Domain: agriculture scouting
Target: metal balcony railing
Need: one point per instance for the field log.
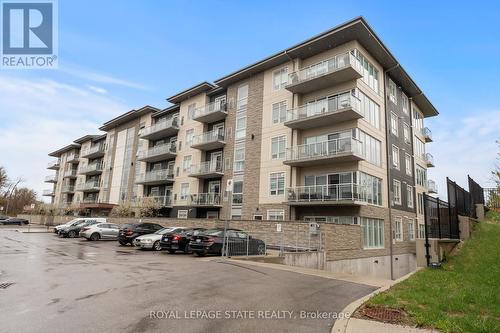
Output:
(51, 179)
(427, 134)
(324, 149)
(213, 107)
(166, 148)
(70, 173)
(161, 200)
(160, 126)
(90, 200)
(428, 158)
(72, 157)
(208, 137)
(324, 67)
(207, 167)
(204, 199)
(156, 176)
(90, 185)
(333, 104)
(431, 186)
(54, 164)
(48, 192)
(92, 167)
(92, 150)
(334, 192)
(68, 189)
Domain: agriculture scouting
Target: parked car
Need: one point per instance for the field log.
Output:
(3, 217)
(239, 243)
(100, 231)
(74, 230)
(14, 221)
(129, 232)
(179, 240)
(152, 241)
(77, 221)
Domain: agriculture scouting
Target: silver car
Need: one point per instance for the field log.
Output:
(151, 241)
(100, 231)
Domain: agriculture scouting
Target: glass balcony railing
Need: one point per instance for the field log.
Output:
(429, 159)
(204, 199)
(171, 123)
(427, 134)
(90, 200)
(94, 150)
(48, 192)
(89, 185)
(431, 186)
(68, 189)
(330, 148)
(161, 200)
(51, 179)
(330, 105)
(335, 192)
(324, 67)
(91, 168)
(210, 109)
(72, 157)
(158, 151)
(70, 173)
(54, 164)
(207, 167)
(161, 175)
(208, 137)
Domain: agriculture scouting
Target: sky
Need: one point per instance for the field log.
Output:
(115, 56)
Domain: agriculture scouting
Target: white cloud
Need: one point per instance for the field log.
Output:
(40, 116)
(464, 146)
(97, 89)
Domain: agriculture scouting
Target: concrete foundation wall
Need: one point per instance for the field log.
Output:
(314, 260)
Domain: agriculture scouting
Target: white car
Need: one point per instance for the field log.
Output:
(98, 231)
(76, 221)
(151, 241)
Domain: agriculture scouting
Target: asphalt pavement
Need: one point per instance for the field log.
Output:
(73, 285)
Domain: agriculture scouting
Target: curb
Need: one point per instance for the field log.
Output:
(342, 324)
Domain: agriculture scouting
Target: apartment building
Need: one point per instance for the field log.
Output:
(330, 130)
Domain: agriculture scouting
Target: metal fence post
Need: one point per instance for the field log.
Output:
(248, 242)
(439, 218)
(427, 245)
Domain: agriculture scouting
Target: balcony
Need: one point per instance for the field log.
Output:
(161, 129)
(325, 112)
(204, 200)
(431, 186)
(73, 158)
(48, 193)
(68, 189)
(341, 68)
(209, 140)
(93, 152)
(336, 150)
(91, 169)
(89, 186)
(161, 152)
(338, 194)
(70, 173)
(211, 112)
(90, 200)
(206, 170)
(429, 160)
(51, 179)
(54, 165)
(163, 201)
(156, 177)
(427, 134)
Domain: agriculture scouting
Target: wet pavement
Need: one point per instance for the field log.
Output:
(63, 285)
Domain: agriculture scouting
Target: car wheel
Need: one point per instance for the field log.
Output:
(157, 246)
(261, 249)
(171, 251)
(122, 243)
(95, 236)
(187, 248)
(72, 234)
(200, 254)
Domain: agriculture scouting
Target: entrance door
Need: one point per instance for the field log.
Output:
(170, 167)
(219, 102)
(214, 186)
(218, 130)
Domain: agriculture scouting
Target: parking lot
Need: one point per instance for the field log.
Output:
(63, 285)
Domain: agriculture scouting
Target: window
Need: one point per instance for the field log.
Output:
(242, 97)
(184, 191)
(277, 183)
(398, 229)
(258, 217)
(239, 158)
(408, 164)
(393, 92)
(279, 112)
(191, 108)
(236, 213)
(421, 176)
(421, 230)
(406, 133)
(409, 196)
(373, 233)
(418, 120)
(395, 157)
(354, 220)
(241, 127)
(182, 214)
(238, 192)
(276, 214)
(189, 137)
(370, 73)
(411, 229)
(278, 146)
(370, 147)
(404, 102)
(419, 148)
(420, 207)
(394, 124)
(396, 189)
(280, 78)
(186, 164)
(369, 109)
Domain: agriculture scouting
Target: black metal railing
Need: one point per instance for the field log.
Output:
(438, 220)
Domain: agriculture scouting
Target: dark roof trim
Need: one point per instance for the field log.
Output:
(355, 29)
(69, 147)
(126, 117)
(193, 91)
(92, 138)
(167, 110)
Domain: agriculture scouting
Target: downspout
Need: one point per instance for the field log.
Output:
(291, 138)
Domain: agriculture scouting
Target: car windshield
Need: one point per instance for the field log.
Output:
(212, 232)
(128, 226)
(164, 231)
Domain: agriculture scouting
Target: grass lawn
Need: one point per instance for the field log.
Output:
(463, 296)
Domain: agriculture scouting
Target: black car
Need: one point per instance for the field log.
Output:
(129, 232)
(238, 243)
(179, 239)
(74, 230)
(14, 221)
